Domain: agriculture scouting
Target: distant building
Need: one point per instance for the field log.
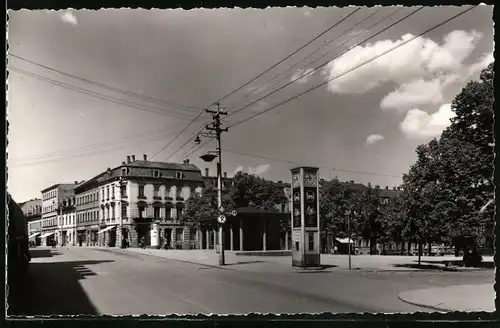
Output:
(140, 193)
(87, 212)
(32, 209)
(51, 198)
(67, 222)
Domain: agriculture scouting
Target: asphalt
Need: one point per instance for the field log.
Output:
(115, 282)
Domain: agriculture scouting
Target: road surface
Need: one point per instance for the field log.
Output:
(72, 281)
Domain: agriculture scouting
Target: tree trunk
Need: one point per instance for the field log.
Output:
(457, 251)
(409, 248)
(402, 248)
(430, 249)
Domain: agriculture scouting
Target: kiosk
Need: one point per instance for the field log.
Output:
(305, 217)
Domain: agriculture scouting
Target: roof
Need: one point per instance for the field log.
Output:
(344, 240)
(84, 183)
(58, 185)
(164, 165)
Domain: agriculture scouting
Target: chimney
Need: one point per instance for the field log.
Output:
(145, 157)
(225, 174)
(393, 188)
(123, 163)
(352, 181)
(377, 187)
(76, 182)
(386, 187)
(279, 181)
(369, 184)
(128, 159)
(186, 161)
(206, 172)
(133, 158)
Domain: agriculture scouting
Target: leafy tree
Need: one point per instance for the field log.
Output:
(370, 217)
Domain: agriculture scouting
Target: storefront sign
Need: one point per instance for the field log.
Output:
(311, 206)
(296, 207)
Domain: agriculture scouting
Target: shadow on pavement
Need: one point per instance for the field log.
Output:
(460, 263)
(420, 266)
(53, 289)
(41, 252)
(244, 262)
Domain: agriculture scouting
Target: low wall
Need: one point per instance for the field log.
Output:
(262, 253)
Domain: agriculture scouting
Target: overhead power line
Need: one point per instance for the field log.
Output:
(350, 70)
(160, 131)
(293, 81)
(322, 46)
(247, 83)
(325, 63)
(98, 95)
(320, 166)
(339, 45)
(102, 85)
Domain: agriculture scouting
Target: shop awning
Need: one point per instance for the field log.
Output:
(344, 240)
(106, 229)
(47, 235)
(34, 235)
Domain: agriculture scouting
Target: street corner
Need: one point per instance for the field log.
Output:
(463, 298)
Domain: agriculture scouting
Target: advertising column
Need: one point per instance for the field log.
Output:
(305, 217)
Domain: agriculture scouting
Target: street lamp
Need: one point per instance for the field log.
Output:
(348, 214)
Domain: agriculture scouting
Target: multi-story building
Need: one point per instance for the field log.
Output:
(87, 212)
(51, 198)
(67, 222)
(32, 209)
(140, 193)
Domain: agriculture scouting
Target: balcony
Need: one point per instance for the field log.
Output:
(179, 198)
(168, 198)
(157, 197)
(141, 197)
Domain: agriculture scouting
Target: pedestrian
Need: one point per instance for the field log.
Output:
(335, 249)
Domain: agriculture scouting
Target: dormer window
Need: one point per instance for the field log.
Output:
(156, 173)
(125, 171)
(178, 175)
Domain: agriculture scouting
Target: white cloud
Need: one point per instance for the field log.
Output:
(307, 12)
(69, 17)
(373, 138)
(476, 68)
(238, 169)
(259, 169)
(306, 75)
(419, 124)
(414, 93)
(421, 58)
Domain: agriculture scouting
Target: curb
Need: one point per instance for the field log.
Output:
(425, 306)
(182, 261)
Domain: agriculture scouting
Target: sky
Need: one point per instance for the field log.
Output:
(87, 88)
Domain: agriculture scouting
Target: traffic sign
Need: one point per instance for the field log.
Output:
(234, 213)
(221, 219)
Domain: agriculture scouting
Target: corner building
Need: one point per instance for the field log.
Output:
(140, 195)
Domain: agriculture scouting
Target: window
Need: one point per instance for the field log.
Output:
(178, 234)
(141, 191)
(102, 194)
(178, 175)
(112, 209)
(311, 241)
(156, 173)
(141, 212)
(178, 192)
(156, 191)
(156, 212)
(113, 192)
(124, 210)
(125, 171)
(168, 213)
(123, 191)
(107, 193)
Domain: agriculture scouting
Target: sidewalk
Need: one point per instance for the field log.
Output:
(283, 263)
(464, 298)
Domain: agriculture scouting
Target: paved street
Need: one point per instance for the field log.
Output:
(113, 281)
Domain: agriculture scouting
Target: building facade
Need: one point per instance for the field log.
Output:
(87, 212)
(66, 234)
(32, 209)
(141, 198)
(52, 197)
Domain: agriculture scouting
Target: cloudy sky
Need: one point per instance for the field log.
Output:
(133, 79)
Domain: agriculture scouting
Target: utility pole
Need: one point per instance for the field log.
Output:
(216, 127)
